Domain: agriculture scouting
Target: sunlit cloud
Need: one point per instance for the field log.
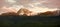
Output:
(41, 9)
(5, 9)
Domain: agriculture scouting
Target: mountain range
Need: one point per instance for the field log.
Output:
(26, 12)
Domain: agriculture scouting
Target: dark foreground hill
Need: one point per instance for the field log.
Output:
(31, 21)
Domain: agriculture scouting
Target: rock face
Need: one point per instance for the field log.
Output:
(24, 11)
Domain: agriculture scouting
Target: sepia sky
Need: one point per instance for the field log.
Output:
(15, 5)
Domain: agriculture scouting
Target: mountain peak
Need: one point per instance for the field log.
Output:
(24, 11)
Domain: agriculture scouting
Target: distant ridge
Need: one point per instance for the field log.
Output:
(26, 12)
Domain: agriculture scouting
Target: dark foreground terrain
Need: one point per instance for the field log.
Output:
(32, 21)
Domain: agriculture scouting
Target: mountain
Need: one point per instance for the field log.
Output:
(56, 13)
(50, 13)
(24, 12)
(9, 14)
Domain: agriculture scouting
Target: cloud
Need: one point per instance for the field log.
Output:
(41, 9)
(39, 3)
(17, 7)
(11, 1)
(5, 9)
(52, 3)
(26, 3)
(30, 4)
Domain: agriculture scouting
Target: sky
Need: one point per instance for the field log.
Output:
(33, 5)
